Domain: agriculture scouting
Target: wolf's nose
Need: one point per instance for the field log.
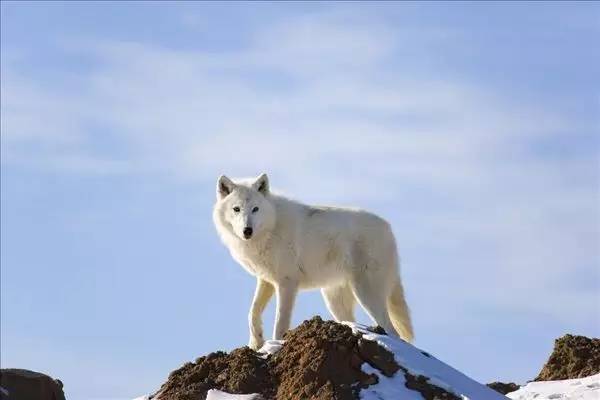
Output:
(247, 232)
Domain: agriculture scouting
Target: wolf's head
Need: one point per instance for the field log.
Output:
(243, 207)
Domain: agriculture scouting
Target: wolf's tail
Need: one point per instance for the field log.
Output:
(399, 312)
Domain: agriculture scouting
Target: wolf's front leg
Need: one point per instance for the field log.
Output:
(262, 295)
(286, 295)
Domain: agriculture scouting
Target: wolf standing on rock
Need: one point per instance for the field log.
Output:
(349, 254)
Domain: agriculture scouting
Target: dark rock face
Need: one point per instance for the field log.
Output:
(428, 391)
(241, 371)
(319, 360)
(573, 357)
(503, 388)
(23, 384)
(322, 360)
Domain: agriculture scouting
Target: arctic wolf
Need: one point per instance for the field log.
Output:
(349, 254)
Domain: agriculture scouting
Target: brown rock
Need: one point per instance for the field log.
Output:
(320, 360)
(22, 384)
(573, 357)
(428, 391)
(241, 371)
(503, 388)
(378, 357)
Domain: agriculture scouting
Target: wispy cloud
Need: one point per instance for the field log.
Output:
(335, 113)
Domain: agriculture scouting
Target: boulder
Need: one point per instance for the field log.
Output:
(22, 384)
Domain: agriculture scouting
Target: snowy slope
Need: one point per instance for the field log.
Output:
(569, 389)
(215, 394)
(418, 362)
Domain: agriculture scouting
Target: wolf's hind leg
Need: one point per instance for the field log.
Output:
(262, 295)
(340, 302)
(374, 301)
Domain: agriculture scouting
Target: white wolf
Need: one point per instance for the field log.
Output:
(349, 254)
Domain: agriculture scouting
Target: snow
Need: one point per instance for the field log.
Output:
(418, 362)
(214, 394)
(388, 388)
(270, 347)
(569, 389)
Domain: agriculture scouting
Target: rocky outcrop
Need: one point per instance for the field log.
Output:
(319, 360)
(22, 384)
(502, 387)
(573, 357)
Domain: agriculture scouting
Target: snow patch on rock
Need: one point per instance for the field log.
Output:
(388, 388)
(568, 389)
(418, 362)
(215, 394)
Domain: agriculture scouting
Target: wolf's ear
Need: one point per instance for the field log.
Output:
(224, 187)
(262, 184)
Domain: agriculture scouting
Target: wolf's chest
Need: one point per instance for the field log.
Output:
(258, 260)
(266, 261)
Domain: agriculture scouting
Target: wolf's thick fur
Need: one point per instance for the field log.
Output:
(349, 254)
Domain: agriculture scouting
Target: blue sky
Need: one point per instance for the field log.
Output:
(473, 128)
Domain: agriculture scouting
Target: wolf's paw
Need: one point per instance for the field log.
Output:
(256, 342)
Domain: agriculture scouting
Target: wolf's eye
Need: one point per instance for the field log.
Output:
(236, 209)
(255, 209)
